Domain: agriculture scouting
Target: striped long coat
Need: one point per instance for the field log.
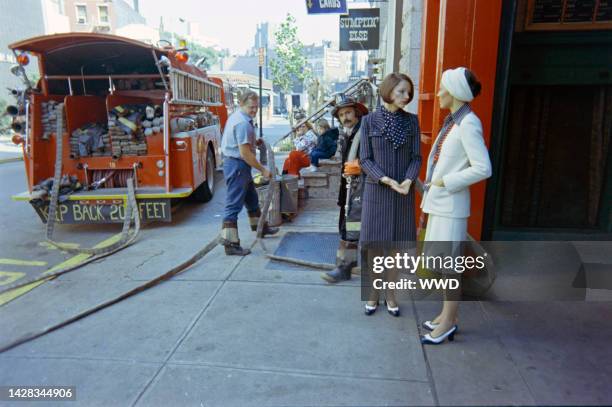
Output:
(387, 215)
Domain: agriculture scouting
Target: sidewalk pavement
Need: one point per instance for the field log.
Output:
(252, 332)
(248, 331)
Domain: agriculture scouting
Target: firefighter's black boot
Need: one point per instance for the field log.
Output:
(341, 273)
(346, 259)
(254, 220)
(229, 239)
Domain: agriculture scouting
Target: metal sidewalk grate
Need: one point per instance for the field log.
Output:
(309, 246)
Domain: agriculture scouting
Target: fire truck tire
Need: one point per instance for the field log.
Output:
(206, 190)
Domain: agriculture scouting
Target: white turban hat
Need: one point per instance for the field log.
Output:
(455, 82)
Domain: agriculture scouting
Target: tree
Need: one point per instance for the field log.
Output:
(196, 52)
(288, 66)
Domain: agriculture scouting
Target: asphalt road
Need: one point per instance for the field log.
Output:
(21, 247)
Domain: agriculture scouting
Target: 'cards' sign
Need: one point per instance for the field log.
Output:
(326, 6)
(359, 30)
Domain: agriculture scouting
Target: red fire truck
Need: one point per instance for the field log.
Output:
(126, 110)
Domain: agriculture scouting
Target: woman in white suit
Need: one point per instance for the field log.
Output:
(458, 159)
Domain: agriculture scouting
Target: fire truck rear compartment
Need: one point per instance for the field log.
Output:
(133, 151)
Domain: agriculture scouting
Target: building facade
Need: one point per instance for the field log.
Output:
(546, 109)
(400, 41)
(101, 15)
(545, 106)
(327, 63)
(22, 19)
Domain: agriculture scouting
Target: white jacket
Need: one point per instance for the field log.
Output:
(463, 161)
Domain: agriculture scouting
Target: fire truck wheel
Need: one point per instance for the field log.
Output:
(205, 191)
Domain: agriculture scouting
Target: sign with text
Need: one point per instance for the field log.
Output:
(105, 211)
(326, 6)
(360, 29)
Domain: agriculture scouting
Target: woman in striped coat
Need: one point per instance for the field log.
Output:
(390, 159)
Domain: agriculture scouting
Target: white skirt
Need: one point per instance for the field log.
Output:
(443, 238)
(444, 229)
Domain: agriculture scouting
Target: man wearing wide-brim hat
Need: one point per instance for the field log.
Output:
(349, 113)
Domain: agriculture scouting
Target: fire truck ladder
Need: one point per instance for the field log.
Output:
(193, 90)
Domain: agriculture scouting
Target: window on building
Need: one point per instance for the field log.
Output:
(81, 14)
(569, 15)
(103, 15)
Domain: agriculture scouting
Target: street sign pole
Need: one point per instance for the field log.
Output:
(263, 155)
(261, 63)
(260, 105)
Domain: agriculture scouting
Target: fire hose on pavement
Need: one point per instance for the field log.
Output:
(125, 240)
(163, 277)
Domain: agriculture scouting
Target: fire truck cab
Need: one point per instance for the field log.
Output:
(129, 110)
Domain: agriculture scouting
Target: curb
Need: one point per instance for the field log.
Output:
(10, 160)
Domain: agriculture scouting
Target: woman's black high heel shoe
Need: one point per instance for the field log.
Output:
(393, 310)
(370, 309)
(429, 340)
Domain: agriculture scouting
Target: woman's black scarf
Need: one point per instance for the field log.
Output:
(397, 126)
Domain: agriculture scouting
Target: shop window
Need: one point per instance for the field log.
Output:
(568, 15)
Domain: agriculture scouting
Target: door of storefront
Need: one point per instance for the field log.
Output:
(553, 175)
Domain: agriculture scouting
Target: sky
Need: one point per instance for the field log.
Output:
(234, 22)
